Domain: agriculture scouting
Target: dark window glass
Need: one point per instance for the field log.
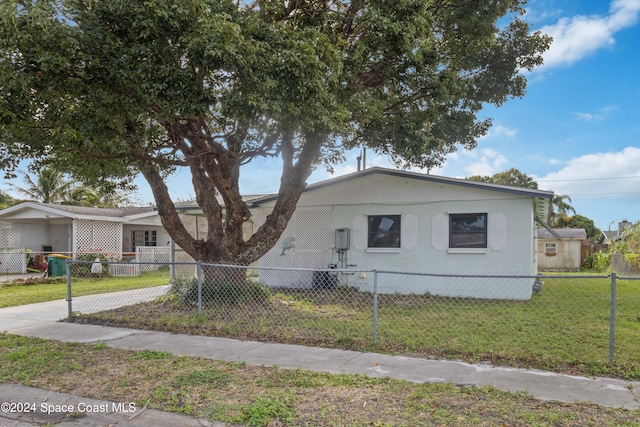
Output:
(143, 238)
(384, 231)
(468, 230)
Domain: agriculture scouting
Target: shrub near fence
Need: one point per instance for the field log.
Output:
(566, 326)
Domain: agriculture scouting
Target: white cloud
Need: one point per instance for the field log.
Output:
(587, 117)
(499, 130)
(598, 175)
(602, 114)
(577, 37)
(488, 163)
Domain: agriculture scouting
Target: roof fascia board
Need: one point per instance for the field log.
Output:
(99, 218)
(141, 215)
(414, 175)
(38, 207)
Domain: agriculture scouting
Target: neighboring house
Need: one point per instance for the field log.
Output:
(608, 237)
(393, 220)
(76, 230)
(561, 254)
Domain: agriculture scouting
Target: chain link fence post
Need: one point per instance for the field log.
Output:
(375, 306)
(68, 268)
(199, 276)
(612, 320)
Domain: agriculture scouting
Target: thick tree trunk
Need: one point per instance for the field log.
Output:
(221, 275)
(169, 215)
(218, 171)
(292, 183)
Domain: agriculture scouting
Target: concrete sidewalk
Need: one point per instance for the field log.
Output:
(540, 384)
(44, 313)
(39, 320)
(52, 408)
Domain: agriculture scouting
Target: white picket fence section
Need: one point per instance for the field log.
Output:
(124, 269)
(152, 254)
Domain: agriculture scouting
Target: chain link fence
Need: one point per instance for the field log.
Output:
(563, 319)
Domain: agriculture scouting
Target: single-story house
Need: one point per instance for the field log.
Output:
(387, 219)
(562, 250)
(41, 228)
(374, 219)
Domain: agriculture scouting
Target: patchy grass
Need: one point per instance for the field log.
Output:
(259, 396)
(565, 328)
(54, 289)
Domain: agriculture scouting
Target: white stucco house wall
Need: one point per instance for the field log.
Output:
(411, 222)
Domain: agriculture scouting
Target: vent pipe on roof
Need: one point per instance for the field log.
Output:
(364, 158)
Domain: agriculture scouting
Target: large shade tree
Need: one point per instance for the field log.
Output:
(108, 89)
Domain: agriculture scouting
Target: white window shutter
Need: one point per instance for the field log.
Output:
(409, 229)
(497, 232)
(440, 232)
(359, 232)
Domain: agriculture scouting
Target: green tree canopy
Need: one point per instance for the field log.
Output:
(113, 88)
(512, 177)
(560, 209)
(5, 200)
(593, 232)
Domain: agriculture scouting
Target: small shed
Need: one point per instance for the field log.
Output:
(564, 254)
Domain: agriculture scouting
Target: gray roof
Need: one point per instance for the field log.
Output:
(425, 177)
(564, 233)
(95, 211)
(191, 206)
(541, 198)
(80, 211)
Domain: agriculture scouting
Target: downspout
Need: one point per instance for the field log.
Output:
(74, 244)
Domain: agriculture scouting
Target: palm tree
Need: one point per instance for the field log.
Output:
(560, 207)
(50, 186)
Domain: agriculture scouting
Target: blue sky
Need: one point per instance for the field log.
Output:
(576, 131)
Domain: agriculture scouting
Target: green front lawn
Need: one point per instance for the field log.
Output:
(18, 294)
(565, 328)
